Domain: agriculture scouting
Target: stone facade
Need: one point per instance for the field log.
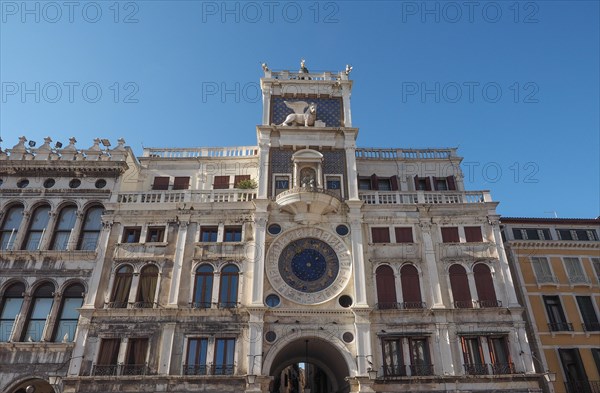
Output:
(373, 266)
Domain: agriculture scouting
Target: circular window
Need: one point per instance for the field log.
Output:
(342, 230)
(348, 337)
(271, 336)
(22, 183)
(49, 183)
(345, 301)
(74, 183)
(272, 300)
(100, 183)
(274, 229)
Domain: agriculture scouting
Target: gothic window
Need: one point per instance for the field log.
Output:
(459, 284)
(228, 289)
(66, 325)
(10, 227)
(64, 228)
(473, 235)
(37, 228)
(197, 349)
(41, 304)
(224, 356)
(10, 308)
(122, 286)
(90, 231)
(485, 286)
(147, 287)
(203, 287)
(386, 288)
(411, 287)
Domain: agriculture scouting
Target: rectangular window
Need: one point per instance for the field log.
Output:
(181, 183)
(532, 234)
(161, 183)
(596, 264)
(422, 183)
(155, 235)
(380, 235)
(108, 355)
(420, 361)
(221, 183)
(238, 178)
(588, 313)
(404, 235)
(224, 356)
(541, 268)
(576, 377)
(556, 317)
(473, 235)
(517, 234)
(393, 362)
(384, 184)
(364, 183)
(450, 235)
(233, 234)
(441, 184)
(135, 359)
(501, 361)
(196, 356)
(575, 271)
(131, 235)
(473, 356)
(564, 234)
(208, 234)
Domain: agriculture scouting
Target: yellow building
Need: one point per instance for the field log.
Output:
(556, 270)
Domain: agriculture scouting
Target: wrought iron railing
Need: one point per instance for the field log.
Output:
(143, 305)
(560, 327)
(222, 369)
(503, 368)
(119, 369)
(195, 369)
(228, 304)
(476, 369)
(401, 305)
(394, 371)
(201, 304)
(584, 386)
(463, 304)
(591, 326)
(421, 369)
(489, 303)
(117, 304)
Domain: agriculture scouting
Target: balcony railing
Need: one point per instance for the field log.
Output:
(548, 279)
(476, 369)
(464, 304)
(503, 368)
(227, 304)
(201, 304)
(143, 305)
(421, 369)
(216, 152)
(579, 280)
(582, 386)
(119, 369)
(413, 370)
(195, 369)
(296, 190)
(591, 326)
(137, 305)
(560, 327)
(200, 196)
(394, 371)
(222, 369)
(370, 197)
(489, 303)
(401, 305)
(411, 154)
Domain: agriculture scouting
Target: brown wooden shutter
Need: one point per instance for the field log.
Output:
(386, 287)
(450, 235)
(473, 234)
(109, 351)
(460, 285)
(374, 182)
(394, 183)
(427, 183)
(404, 235)
(161, 183)
(239, 178)
(221, 182)
(416, 183)
(484, 283)
(380, 235)
(181, 183)
(411, 288)
(451, 183)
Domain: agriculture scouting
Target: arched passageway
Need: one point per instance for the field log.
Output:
(34, 385)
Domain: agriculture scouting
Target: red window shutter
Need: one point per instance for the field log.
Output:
(450, 235)
(416, 182)
(181, 183)
(386, 287)
(451, 183)
(239, 178)
(411, 288)
(428, 183)
(460, 285)
(374, 182)
(484, 283)
(404, 235)
(161, 183)
(394, 183)
(473, 234)
(380, 235)
(221, 182)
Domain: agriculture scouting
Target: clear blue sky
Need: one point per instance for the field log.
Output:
(517, 82)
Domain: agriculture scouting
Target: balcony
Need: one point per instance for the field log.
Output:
(308, 204)
(203, 369)
(212, 250)
(401, 306)
(103, 370)
(472, 251)
(155, 198)
(421, 369)
(582, 386)
(128, 251)
(560, 327)
(547, 279)
(133, 305)
(413, 370)
(476, 369)
(407, 154)
(484, 369)
(370, 197)
(579, 280)
(209, 152)
(488, 303)
(503, 368)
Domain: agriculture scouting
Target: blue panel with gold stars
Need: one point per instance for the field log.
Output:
(308, 265)
(329, 110)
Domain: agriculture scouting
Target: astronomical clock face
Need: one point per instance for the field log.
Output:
(309, 265)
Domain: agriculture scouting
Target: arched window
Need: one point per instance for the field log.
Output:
(229, 287)
(411, 287)
(386, 288)
(485, 286)
(460, 287)
(203, 287)
(41, 304)
(10, 227)
(147, 287)
(90, 231)
(10, 308)
(121, 288)
(72, 300)
(64, 227)
(37, 228)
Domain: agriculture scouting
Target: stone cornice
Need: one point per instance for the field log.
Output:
(538, 244)
(63, 168)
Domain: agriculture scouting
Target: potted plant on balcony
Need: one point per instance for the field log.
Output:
(246, 184)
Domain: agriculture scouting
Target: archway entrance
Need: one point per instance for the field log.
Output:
(309, 364)
(32, 386)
